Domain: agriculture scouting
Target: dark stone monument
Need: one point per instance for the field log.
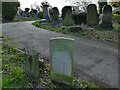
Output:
(45, 13)
(92, 15)
(55, 15)
(106, 22)
(67, 15)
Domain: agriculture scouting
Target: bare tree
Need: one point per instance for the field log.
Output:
(37, 6)
(81, 3)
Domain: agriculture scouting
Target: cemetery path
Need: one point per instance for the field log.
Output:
(94, 61)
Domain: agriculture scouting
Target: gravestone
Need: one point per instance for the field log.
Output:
(106, 22)
(92, 15)
(55, 15)
(61, 59)
(34, 14)
(23, 14)
(45, 12)
(67, 15)
(32, 64)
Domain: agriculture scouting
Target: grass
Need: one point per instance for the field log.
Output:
(21, 19)
(13, 74)
(83, 30)
(25, 19)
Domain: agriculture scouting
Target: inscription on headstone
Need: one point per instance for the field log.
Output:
(61, 57)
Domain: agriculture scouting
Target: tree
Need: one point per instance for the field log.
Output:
(115, 4)
(45, 3)
(101, 4)
(83, 5)
(40, 14)
(9, 10)
(37, 6)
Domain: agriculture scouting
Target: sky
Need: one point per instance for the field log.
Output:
(54, 3)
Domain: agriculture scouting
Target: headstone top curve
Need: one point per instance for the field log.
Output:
(62, 38)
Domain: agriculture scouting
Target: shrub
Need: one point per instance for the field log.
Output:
(9, 10)
(34, 11)
(40, 14)
(117, 12)
(72, 28)
(100, 5)
(79, 18)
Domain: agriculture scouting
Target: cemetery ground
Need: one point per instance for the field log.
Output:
(21, 19)
(94, 61)
(83, 30)
(13, 72)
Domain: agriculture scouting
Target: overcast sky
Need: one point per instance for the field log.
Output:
(54, 3)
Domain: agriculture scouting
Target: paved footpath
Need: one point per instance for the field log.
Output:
(94, 61)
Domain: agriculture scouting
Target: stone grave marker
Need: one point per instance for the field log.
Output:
(45, 12)
(61, 59)
(55, 15)
(67, 16)
(106, 22)
(32, 64)
(92, 15)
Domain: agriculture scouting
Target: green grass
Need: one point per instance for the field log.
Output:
(22, 19)
(83, 30)
(13, 74)
(25, 18)
(116, 18)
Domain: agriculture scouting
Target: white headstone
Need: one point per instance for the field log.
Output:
(61, 57)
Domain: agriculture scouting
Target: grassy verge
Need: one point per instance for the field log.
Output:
(21, 19)
(83, 30)
(13, 74)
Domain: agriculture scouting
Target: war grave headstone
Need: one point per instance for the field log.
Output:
(106, 22)
(92, 15)
(61, 59)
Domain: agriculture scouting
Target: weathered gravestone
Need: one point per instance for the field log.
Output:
(67, 15)
(45, 12)
(32, 64)
(61, 58)
(55, 15)
(106, 22)
(92, 15)
(23, 14)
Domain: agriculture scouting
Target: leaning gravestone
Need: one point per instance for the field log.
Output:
(61, 58)
(67, 15)
(92, 15)
(106, 22)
